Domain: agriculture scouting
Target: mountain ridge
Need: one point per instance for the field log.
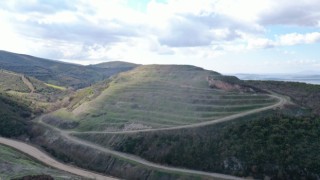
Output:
(55, 72)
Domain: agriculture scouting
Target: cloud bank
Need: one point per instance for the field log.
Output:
(88, 31)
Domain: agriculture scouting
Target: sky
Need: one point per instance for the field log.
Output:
(228, 36)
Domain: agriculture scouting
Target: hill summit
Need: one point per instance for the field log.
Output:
(158, 96)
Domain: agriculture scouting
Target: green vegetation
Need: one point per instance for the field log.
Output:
(307, 95)
(116, 64)
(16, 165)
(56, 87)
(279, 144)
(157, 96)
(20, 103)
(87, 94)
(30, 91)
(99, 161)
(13, 116)
(12, 81)
(55, 72)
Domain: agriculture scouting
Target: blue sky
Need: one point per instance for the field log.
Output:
(228, 36)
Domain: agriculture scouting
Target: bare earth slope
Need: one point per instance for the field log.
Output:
(28, 83)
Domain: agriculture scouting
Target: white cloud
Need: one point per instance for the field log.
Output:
(295, 38)
(177, 30)
(260, 43)
(290, 39)
(287, 12)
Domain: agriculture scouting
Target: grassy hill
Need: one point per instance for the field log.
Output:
(281, 144)
(115, 64)
(156, 96)
(17, 165)
(277, 144)
(55, 72)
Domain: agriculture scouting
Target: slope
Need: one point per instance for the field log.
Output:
(16, 165)
(38, 95)
(13, 116)
(21, 99)
(12, 81)
(54, 72)
(307, 95)
(159, 96)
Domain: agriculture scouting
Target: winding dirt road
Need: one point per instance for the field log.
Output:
(46, 159)
(34, 152)
(141, 161)
(281, 102)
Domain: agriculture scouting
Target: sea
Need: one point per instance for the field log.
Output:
(304, 78)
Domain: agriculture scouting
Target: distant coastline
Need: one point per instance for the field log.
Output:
(309, 79)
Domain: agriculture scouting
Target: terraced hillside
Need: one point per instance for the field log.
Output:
(158, 96)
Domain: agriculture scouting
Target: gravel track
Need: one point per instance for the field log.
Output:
(41, 156)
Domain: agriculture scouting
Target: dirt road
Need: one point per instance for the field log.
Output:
(46, 159)
(282, 101)
(28, 83)
(139, 160)
(151, 164)
(34, 152)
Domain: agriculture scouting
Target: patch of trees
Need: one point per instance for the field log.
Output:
(13, 117)
(95, 160)
(36, 177)
(270, 144)
(301, 93)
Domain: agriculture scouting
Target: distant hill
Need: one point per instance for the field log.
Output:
(115, 64)
(298, 77)
(55, 72)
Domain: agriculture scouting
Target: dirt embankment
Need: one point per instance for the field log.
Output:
(219, 84)
(46, 159)
(104, 160)
(89, 156)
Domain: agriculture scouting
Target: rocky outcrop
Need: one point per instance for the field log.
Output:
(219, 84)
